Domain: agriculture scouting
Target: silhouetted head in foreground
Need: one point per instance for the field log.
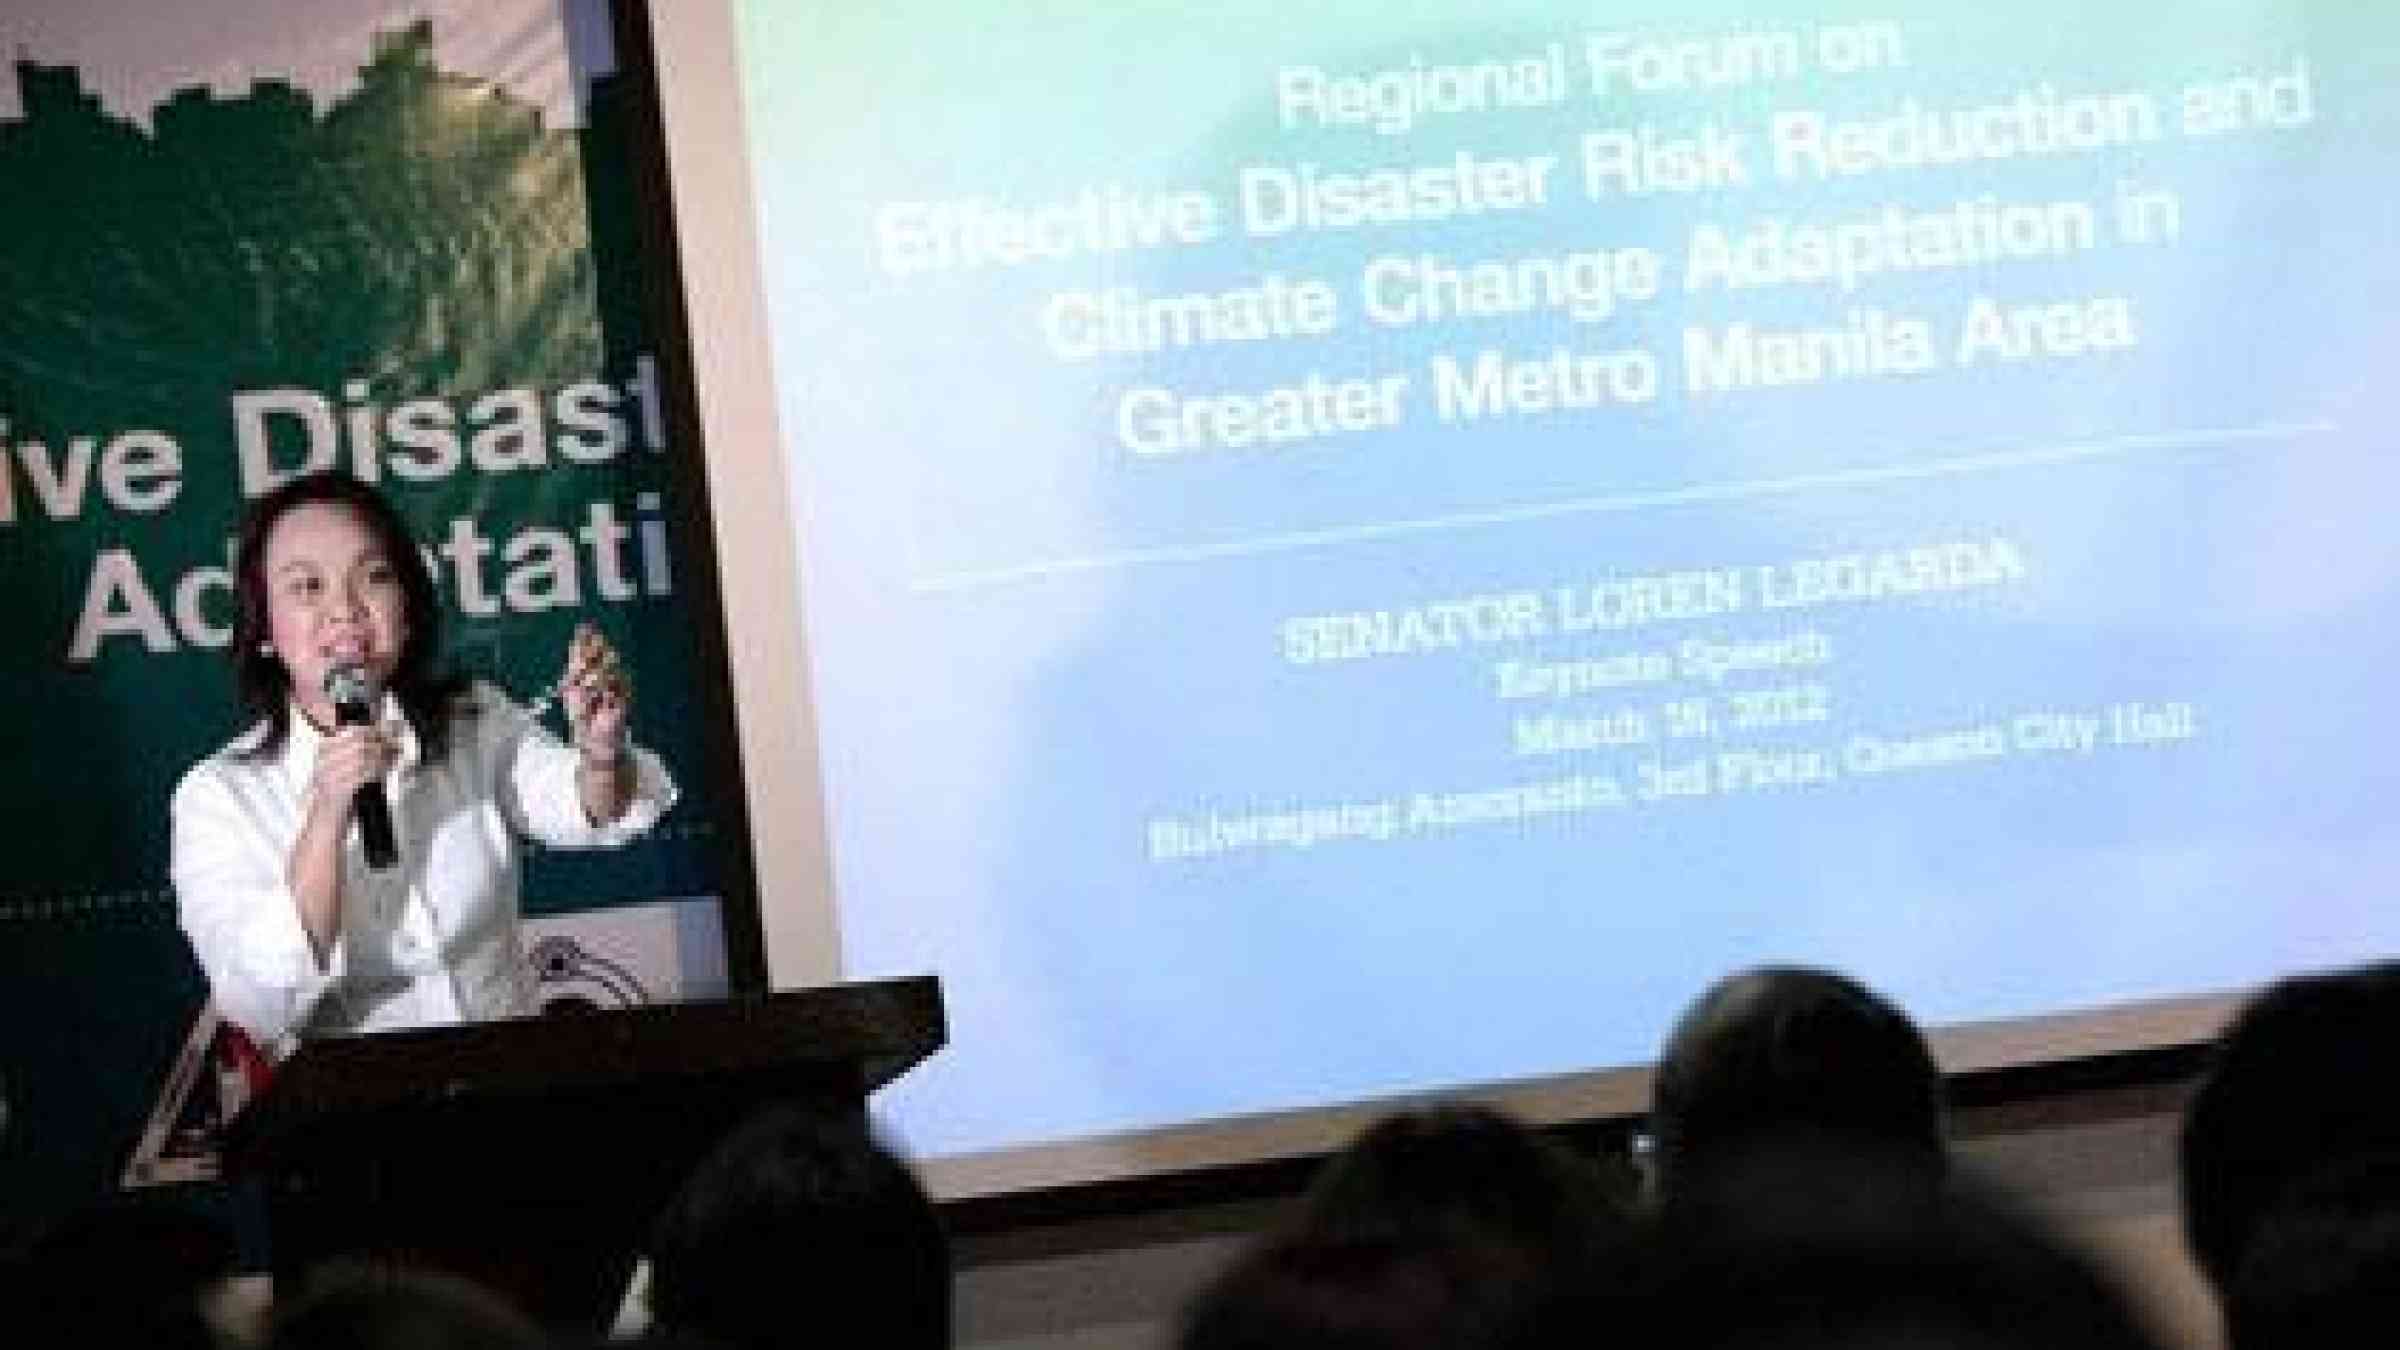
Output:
(1785, 1051)
(802, 1220)
(1785, 1246)
(1436, 1229)
(1464, 1167)
(121, 1272)
(1418, 1290)
(2292, 1091)
(2322, 1264)
(352, 1305)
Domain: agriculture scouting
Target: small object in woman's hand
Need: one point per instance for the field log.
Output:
(579, 669)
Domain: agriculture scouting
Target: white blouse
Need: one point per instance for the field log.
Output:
(431, 940)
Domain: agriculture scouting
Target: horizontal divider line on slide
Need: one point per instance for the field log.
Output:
(1294, 541)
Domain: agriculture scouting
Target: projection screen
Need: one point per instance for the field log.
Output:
(1304, 555)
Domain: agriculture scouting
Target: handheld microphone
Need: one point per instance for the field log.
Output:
(353, 698)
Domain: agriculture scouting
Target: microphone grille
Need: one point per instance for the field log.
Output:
(349, 684)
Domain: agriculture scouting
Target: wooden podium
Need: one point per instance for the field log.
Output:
(532, 1155)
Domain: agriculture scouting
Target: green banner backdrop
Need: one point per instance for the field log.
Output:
(410, 272)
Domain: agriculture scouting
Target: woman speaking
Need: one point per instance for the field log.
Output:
(351, 861)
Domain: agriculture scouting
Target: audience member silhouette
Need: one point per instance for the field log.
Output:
(1783, 1051)
(119, 1273)
(796, 1223)
(2322, 1265)
(1436, 1229)
(360, 1305)
(2289, 1093)
(1794, 1245)
(1452, 1167)
(1806, 1202)
(1416, 1290)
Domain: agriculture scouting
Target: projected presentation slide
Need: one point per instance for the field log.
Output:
(1355, 549)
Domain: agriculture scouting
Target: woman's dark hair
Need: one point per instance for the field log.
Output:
(427, 696)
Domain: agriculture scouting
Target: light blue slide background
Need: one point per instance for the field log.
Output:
(1028, 643)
